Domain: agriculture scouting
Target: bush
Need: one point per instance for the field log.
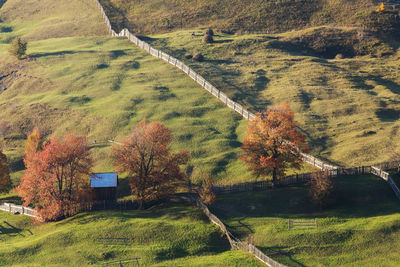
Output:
(18, 48)
(320, 190)
(207, 39)
(198, 58)
(209, 31)
(339, 56)
(206, 192)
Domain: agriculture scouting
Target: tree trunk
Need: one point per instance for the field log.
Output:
(274, 178)
(140, 201)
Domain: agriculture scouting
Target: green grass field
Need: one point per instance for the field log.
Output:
(165, 235)
(102, 87)
(348, 108)
(360, 229)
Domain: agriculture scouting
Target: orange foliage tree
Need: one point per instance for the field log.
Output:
(272, 143)
(33, 144)
(146, 156)
(55, 175)
(5, 180)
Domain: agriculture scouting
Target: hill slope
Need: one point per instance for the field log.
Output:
(167, 235)
(101, 87)
(155, 16)
(348, 107)
(362, 228)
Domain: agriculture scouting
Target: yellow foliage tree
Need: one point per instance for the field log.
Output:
(381, 8)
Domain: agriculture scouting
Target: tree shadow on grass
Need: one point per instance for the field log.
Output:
(60, 53)
(2, 2)
(223, 41)
(220, 165)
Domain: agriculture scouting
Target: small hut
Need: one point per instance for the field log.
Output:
(104, 186)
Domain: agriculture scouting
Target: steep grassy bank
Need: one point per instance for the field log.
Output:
(167, 235)
(361, 229)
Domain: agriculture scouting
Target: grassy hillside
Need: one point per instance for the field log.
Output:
(361, 229)
(167, 235)
(156, 16)
(348, 107)
(102, 87)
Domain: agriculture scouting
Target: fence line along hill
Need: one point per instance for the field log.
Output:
(201, 81)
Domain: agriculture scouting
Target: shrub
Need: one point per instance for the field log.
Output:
(198, 58)
(339, 56)
(320, 188)
(206, 192)
(209, 31)
(18, 48)
(207, 39)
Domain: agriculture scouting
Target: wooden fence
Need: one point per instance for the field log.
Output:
(302, 223)
(200, 80)
(288, 180)
(236, 243)
(386, 176)
(304, 177)
(18, 209)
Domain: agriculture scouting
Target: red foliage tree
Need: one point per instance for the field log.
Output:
(146, 156)
(55, 176)
(5, 180)
(272, 143)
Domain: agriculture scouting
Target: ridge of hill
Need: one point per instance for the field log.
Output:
(157, 16)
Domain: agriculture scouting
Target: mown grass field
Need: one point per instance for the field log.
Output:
(360, 229)
(102, 87)
(165, 235)
(348, 107)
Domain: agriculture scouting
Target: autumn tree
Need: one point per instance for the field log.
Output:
(206, 192)
(147, 158)
(55, 175)
(5, 180)
(32, 145)
(273, 143)
(320, 188)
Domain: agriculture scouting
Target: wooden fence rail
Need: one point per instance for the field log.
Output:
(10, 207)
(288, 180)
(236, 243)
(386, 176)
